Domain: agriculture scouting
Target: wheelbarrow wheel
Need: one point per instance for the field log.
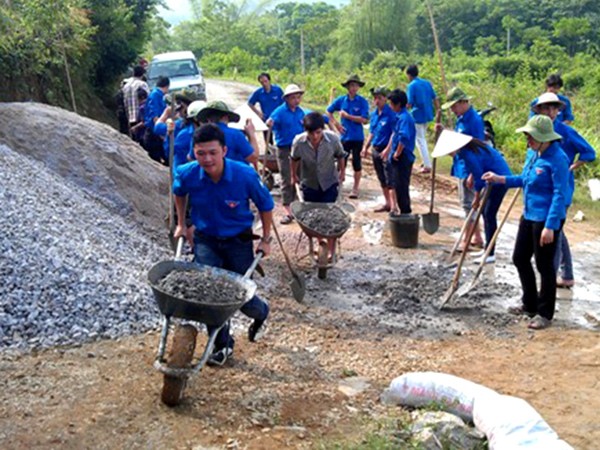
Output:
(322, 261)
(269, 180)
(180, 356)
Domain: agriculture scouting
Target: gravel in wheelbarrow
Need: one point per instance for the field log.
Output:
(202, 287)
(197, 292)
(326, 222)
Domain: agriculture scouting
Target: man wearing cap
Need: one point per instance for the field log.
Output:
(219, 192)
(238, 147)
(155, 106)
(382, 123)
(575, 147)
(286, 123)
(554, 84)
(354, 113)
(471, 123)
(421, 102)
(545, 186)
(269, 97)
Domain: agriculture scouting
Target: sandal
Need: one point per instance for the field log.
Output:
(383, 208)
(539, 323)
(353, 194)
(286, 220)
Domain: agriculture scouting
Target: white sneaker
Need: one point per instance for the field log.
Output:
(478, 254)
(489, 260)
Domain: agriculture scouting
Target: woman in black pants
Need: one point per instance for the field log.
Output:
(545, 183)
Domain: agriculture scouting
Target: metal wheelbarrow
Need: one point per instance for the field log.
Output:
(178, 366)
(321, 258)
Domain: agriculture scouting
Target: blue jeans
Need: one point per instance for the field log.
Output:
(562, 257)
(236, 255)
(490, 211)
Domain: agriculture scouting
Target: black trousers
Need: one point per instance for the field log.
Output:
(527, 245)
(401, 171)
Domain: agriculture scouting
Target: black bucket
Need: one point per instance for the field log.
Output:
(405, 230)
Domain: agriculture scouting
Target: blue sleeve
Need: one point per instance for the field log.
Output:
(179, 188)
(336, 105)
(259, 193)
(182, 147)
(253, 100)
(473, 166)
(372, 122)
(243, 146)
(364, 113)
(160, 129)
(410, 94)
(567, 112)
(560, 172)
(514, 181)
(583, 147)
(403, 132)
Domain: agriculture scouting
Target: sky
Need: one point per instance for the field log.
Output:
(180, 10)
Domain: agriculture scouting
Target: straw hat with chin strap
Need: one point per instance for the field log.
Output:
(450, 141)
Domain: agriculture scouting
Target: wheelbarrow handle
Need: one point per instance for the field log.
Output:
(252, 267)
(179, 247)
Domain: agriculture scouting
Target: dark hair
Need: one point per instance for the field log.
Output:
(476, 145)
(209, 132)
(554, 80)
(141, 93)
(138, 71)
(313, 121)
(398, 97)
(163, 82)
(264, 74)
(412, 70)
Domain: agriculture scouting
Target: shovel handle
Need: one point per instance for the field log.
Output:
(432, 184)
(252, 267)
(285, 255)
(462, 232)
(492, 242)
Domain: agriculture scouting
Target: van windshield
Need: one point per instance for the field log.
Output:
(171, 69)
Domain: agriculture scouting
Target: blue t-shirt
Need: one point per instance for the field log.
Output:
(268, 101)
(238, 147)
(382, 126)
(469, 123)
(160, 129)
(405, 133)
(485, 160)
(358, 106)
(420, 98)
(222, 209)
(565, 114)
(573, 144)
(545, 186)
(155, 106)
(183, 142)
(287, 124)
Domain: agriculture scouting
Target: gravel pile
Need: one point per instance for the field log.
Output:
(325, 221)
(70, 270)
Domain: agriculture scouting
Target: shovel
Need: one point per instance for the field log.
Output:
(297, 283)
(454, 285)
(491, 244)
(431, 220)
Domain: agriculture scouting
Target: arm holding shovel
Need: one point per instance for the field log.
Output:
(266, 218)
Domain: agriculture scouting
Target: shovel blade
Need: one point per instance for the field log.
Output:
(298, 286)
(447, 296)
(431, 222)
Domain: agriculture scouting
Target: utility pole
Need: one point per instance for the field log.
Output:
(508, 41)
(302, 67)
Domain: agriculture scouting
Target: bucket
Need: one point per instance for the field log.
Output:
(405, 230)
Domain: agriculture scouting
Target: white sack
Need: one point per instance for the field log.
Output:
(245, 113)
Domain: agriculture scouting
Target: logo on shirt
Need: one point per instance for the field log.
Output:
(232, 203)
(539, 171)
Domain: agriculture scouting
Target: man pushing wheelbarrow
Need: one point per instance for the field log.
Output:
(219, 191)
(315, 154)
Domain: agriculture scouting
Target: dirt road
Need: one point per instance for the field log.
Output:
(373, 317)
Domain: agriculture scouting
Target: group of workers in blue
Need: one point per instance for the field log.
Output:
(215, 169)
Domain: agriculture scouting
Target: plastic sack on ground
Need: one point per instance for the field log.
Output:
(453, 394)
(511, 423)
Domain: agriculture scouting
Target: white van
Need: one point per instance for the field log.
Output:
(182, 70)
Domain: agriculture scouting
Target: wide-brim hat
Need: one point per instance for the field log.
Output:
(455, 95)
(540, 128)
(450, 141)
(379, 90)
(291, 89)
(194, 108)
(548, 98)
(353, 79)
(218, 107)
(186, 96)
